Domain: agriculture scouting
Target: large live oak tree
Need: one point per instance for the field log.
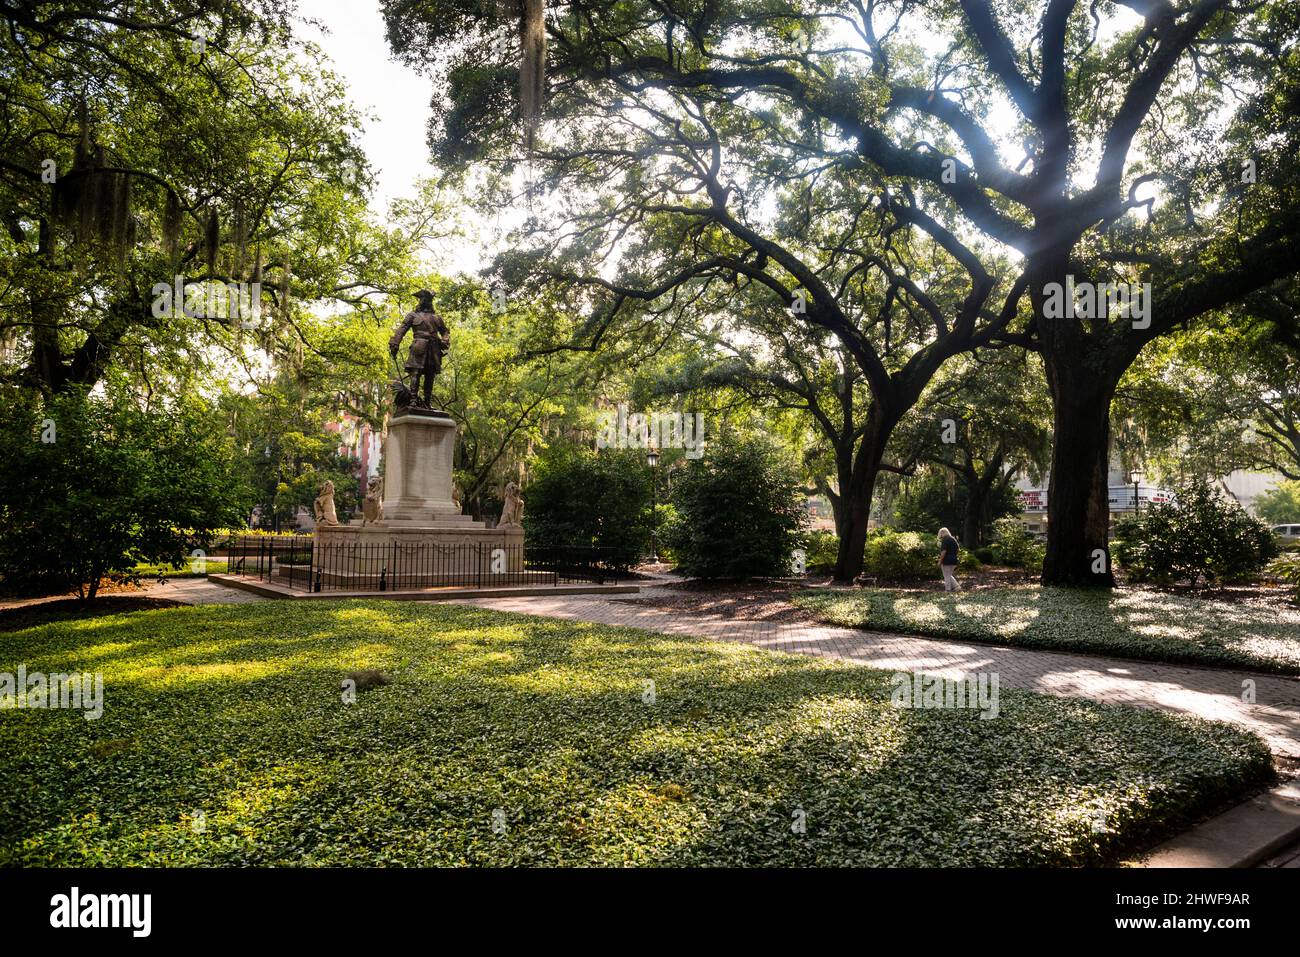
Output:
(830, 147)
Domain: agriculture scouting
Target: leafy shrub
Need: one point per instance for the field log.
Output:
(665, 515)
(189, 569)
(902, 556)
(739, 512)
(908, 556)
(928, 504)
(102, 487)
(1200, 537)
(1287, 568)
(1014, 546)
(821, 549)
(577, 496)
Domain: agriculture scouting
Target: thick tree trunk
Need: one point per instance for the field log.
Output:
(1082, 380)
(853, 540)
(972, 531)
(980, 489)
(856, 502)
(46, 371)
(1078, 508)
(972, 520)
(839, 516)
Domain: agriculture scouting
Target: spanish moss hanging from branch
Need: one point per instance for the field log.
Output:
(212, 240)
(93, 200)
(171, 226)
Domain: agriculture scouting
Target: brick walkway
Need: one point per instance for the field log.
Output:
(1208, 692)
(199, 591)
(189, 591)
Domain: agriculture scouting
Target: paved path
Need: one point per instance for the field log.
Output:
(200, 591)
(1207, 692)
(190, 591)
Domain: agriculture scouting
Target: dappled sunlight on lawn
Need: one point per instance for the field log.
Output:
(1003, 620)
(258, 793)
(83, 659)
(922, 612)
(490, 659)
(619, 821)
(177, 676)
(1159, 631)
(372, 619)
(585, 665)
(505, 740)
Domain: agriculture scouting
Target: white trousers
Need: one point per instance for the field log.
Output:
(950, 582)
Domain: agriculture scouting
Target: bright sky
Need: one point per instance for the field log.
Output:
(394, 100)
(393, 96)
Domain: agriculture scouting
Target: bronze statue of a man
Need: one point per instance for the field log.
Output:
(430, 339)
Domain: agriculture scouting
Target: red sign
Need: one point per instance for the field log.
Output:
(1033, 499)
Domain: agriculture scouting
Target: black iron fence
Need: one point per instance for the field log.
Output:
(304, 564)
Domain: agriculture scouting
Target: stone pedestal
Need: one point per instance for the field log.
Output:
(423, 540)
(417, 472)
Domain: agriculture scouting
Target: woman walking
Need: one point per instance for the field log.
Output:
(948, 560)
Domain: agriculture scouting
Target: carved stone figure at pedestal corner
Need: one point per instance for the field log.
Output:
(512, 508)
(372, 506)
(324, 509)
(430, 340)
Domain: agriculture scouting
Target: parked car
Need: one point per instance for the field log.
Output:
(1288, 533)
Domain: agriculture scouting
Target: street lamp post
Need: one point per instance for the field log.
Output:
(652, 460)
(1135, 477)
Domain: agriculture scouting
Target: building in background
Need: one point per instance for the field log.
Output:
(1246, 487)
(1125, 496)
(359, 442)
